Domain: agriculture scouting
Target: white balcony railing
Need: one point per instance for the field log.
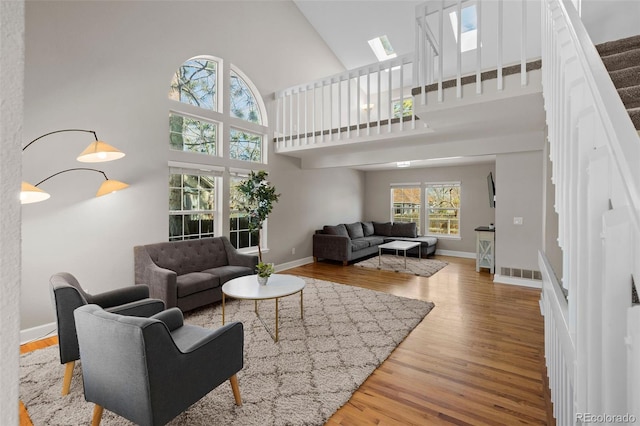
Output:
(373, 100)
(452, 47)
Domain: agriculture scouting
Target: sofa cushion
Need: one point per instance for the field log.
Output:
(404, 229)
(359, 244)
(355, 230)
(336, 230)
(229, 272)
(374, 240)
(382, 228)
(195, 282)
(367, 228)
(188, 256)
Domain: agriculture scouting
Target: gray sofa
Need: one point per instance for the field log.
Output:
(347, 242)
(189, 274)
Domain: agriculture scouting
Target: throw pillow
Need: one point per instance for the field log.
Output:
(404, 229)
(381, 228)
(367, 228)
(355, 230)
(336, 230)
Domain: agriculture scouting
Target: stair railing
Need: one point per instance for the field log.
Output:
(594, 151)
(439, 52)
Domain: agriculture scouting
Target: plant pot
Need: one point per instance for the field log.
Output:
(262, 280)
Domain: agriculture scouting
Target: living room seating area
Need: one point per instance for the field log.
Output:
(347, 242)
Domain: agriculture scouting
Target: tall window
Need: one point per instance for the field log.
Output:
(224, 125)
(192, 206)
(240, 235)
(443, 208)
(405, 205)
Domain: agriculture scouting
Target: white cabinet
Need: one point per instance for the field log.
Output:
(485, 248)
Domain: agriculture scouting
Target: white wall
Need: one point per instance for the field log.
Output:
(474, 197)
(107, 66)
(519, 181)
(11, 90)
(608, 20)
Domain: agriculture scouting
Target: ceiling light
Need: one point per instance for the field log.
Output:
(382, 48)
(403, 163)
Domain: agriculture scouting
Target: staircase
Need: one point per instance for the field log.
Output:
(622, 60)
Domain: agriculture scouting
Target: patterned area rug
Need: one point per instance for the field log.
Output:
(415, 266)
(347, 332)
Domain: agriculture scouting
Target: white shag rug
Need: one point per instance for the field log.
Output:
(415, 266)
(346, 333)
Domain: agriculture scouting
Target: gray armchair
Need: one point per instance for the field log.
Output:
(67, 295)
(149, 370)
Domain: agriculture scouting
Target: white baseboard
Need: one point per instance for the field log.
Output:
(38, 332)
(294, 264)
(523, 282)
(453, 253)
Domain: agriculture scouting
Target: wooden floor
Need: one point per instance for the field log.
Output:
(476, 359)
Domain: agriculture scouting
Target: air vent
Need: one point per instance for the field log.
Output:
(527, 274)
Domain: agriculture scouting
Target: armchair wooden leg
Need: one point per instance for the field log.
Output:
(68, 373)
(236, 390)
(97, 415)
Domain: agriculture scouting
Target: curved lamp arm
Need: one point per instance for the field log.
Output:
(33, 194)
(96, 152)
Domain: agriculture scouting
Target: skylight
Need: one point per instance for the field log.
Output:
(469, 27)
(382, 48)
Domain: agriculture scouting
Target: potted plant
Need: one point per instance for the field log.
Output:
(257, 197)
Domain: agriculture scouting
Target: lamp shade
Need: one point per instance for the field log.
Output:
(31, 194)
(109, 186)
(98, 152)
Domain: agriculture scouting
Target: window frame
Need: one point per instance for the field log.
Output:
(215, 212)
(428, 185)
(222, 165)
(420, 204)
(251, 248)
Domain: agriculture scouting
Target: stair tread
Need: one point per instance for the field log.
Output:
(622, 60)
(616, 46)
(626, 77)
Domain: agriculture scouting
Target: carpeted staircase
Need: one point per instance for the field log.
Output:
(622, 60)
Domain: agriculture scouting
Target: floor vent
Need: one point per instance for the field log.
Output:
(527, 274)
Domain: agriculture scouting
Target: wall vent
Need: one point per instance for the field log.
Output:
(527, 274)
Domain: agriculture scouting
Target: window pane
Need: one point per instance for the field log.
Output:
(197, 196)
(175, 225)
(404, 110)
(245, 146)
(241, 237)
(189, 134)
(243, 103)
(175, 199)
(195, 83)
(406, 205)
(443, 209)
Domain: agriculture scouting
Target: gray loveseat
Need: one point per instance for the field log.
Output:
(346, 242)
(189, 274)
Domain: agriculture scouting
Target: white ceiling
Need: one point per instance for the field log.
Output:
(347, 26)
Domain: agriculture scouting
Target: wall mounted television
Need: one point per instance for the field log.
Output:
(492, 190)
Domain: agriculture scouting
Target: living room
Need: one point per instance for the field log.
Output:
(108, 66)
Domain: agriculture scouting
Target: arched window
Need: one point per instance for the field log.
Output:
(217, 119)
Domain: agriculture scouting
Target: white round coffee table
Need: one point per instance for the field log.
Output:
(279, 285)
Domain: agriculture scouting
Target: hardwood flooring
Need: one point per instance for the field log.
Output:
(476, 359)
